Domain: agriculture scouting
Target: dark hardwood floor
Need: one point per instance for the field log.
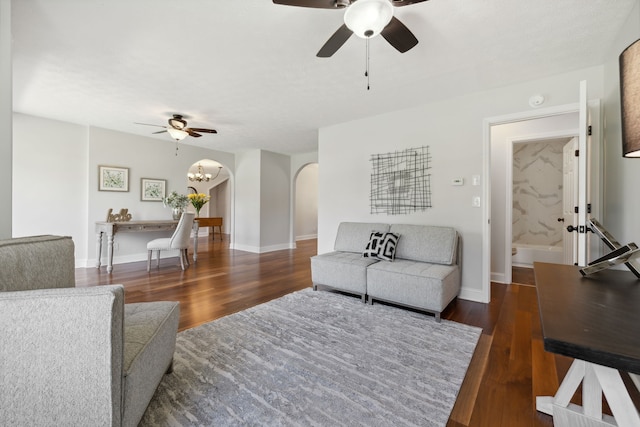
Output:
(509, 369)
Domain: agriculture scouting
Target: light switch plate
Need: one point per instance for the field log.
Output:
(475, 180)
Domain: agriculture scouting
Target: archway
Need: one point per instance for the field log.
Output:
(212, 178)
(305, 215)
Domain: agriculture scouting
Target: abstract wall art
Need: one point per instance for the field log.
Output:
(401, 182)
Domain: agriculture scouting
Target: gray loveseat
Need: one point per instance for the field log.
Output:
(75, 356)
(425, 273)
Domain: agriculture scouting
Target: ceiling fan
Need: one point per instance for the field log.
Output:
(365, 18)
(178, 128)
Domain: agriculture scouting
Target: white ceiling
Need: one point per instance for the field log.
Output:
(248, 68)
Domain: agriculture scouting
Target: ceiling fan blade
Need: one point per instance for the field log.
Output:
(398, 3)
(202, 130)
(399, 36)
(147, 124)
(319, 4)
(160, 131)
(192, 133)
(335, 42)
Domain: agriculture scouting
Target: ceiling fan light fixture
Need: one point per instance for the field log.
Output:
(177, 134)
(367, 18)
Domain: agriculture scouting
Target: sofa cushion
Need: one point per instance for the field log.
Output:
(416, 284)
(354, 236)
(426, 243)
(341, 270)
(150, 330)
(381, 246)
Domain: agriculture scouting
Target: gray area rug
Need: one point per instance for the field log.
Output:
(315, 359)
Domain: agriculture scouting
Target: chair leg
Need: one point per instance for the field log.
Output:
(149, 260)
(182, 259)
(158, 260)
(186, 257)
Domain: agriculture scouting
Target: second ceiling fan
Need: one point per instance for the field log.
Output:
(178, 129)
(365, 18)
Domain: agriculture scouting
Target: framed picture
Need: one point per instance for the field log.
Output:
(113, 178)
(152, 190)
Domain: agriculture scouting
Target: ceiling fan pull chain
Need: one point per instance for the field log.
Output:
(366, 73)
(176, 147)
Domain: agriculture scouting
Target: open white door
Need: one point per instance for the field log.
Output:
(569, 200)
(584, 199)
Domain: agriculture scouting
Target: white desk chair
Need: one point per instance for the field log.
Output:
(179, 241)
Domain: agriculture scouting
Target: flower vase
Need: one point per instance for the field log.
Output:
(177, 213)
(198, 212)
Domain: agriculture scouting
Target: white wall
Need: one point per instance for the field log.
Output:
(262, 200)
(51, 192)
(306, 201)
(6, 108)
(247, 195)
(453, 130)
(622, 206)
(298, 163)
(275, 199)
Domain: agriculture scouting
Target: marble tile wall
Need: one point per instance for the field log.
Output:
(537, 192)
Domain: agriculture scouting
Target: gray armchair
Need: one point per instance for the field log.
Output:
(75, 356)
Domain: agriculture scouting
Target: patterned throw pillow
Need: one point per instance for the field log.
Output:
(381, 246)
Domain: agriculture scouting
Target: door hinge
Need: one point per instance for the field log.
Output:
(589, 130)
(575, 209)
(588, 207)
(577, 153)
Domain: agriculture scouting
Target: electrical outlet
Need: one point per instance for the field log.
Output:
(475, 202)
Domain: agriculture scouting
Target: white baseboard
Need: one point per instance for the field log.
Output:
(499, 278)
(307, 237)
(262, 249)
(474, 295)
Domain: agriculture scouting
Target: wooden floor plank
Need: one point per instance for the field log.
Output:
(463, 408)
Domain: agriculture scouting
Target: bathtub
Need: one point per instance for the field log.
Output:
(526, 254)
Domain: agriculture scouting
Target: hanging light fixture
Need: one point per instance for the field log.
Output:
(177, 134)
(629, 62)
(367, 18)
(200, 176)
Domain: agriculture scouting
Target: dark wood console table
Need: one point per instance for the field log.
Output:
(595, 320)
